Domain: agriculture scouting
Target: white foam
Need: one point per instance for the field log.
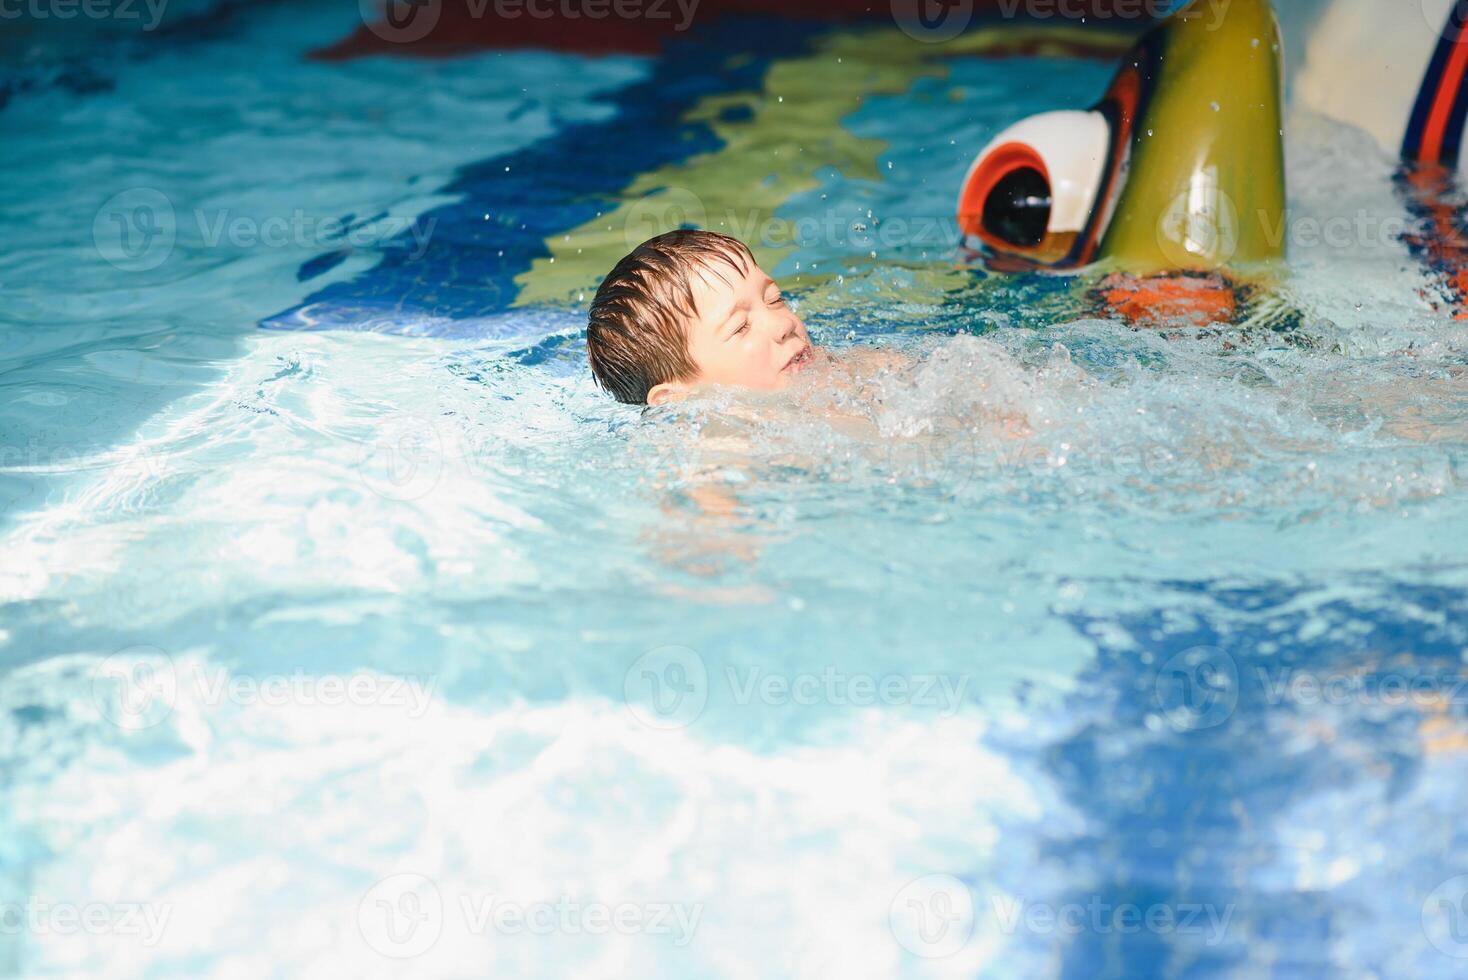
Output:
(258, 831)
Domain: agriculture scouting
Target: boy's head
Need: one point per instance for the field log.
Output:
(691, 308)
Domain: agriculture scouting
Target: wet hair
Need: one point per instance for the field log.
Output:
(637, 338)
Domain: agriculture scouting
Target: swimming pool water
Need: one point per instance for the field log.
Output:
(398, 649)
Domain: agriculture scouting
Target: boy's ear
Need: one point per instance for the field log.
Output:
(668, 391)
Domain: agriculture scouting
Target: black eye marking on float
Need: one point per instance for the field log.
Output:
(1018, 208)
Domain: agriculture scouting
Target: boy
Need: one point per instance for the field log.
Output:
(688, 310)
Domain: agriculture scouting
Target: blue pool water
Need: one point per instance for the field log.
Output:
(347, 629)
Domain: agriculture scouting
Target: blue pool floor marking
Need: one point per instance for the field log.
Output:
(469, 265)
(1211, 798)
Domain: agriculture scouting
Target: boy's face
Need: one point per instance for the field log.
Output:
(743, 333)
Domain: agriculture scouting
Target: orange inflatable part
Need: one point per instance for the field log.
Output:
(1166, 299)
